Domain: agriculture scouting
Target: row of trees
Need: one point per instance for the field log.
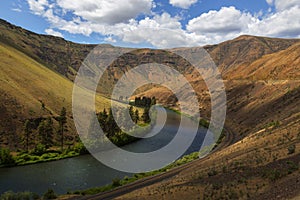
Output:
(109, 125)
(45, 131)
(144, 102)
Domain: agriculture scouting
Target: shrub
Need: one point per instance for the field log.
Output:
(116, 182)
(212, 172)
(39, 150)
(80, 148)
(291, 149)
(6, 158)
(19, 196)
(273, 175)
(50, 194)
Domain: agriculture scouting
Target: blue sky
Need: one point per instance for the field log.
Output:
(155, 23)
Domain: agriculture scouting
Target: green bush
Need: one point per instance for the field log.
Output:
(6, 158)
(19, 196)
(39, 150)
(116, 182)
(80, 148)
(50, 194)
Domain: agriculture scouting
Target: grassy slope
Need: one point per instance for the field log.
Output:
(56, 53)
(24, 83)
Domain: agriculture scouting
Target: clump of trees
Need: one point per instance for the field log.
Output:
(111, 128)
(144, 102)
(46, 134)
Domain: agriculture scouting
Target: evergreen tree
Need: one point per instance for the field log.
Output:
(45, 130)
(153, 101)
(102, 118)
(112, 126)
(131, 112)
(136, 116)
(28, 131)
(145, 115)
(62, 119)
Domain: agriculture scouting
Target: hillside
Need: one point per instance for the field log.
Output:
(239, 53)
(25, 85)
(53, 52)
(263, 113)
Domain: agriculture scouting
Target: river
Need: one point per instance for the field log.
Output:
(85, 171)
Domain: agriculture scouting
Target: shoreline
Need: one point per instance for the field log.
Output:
(37, 159)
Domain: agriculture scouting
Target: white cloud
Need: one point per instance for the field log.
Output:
(161, 31)
(227, 20)
(270, 2)
(285, 23)
(16, 9)
(286, 4)
(110, 40)
(54, 33)
(185, 4)
(107, 11)
(115, 22)
(37, 6)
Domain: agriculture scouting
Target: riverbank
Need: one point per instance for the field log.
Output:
(42, 155)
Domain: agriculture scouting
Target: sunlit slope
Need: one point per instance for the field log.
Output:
(25, 85)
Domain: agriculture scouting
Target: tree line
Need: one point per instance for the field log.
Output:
(144, 102)
(111, 128)
(46, 132)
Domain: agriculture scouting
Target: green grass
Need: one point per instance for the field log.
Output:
(29, 82)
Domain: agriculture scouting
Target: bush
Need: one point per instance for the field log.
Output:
(19, 196)
(273, 175)
(39, 150)
(291, 149)
(116, 182)
(80, 148)
(49, 194)
(212, 172)
(6, 158)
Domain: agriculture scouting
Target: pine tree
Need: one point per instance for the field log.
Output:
(45, 130)
(145, 115)
(28, 131)
(62, 119)
(136, 116)
(102, 118)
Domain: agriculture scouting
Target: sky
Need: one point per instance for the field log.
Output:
(155, 23)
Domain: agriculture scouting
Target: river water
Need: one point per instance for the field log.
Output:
(85, 171)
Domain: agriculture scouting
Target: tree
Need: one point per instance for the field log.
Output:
(45, 130)
(111, 125)
(102, 118)
(131, 112)
(28, 131)
(153, 101)
(62, 120)
(145, 115)
(136, 116)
